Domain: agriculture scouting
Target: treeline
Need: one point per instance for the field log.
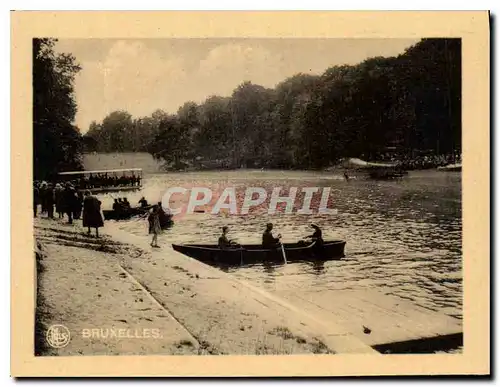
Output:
(57, 143)
(411, 102)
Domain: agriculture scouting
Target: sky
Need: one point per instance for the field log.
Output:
(143, 75)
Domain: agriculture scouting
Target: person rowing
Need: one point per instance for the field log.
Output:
(268, 240)
(224, 241)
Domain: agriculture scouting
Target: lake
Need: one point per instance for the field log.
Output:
(403, 237)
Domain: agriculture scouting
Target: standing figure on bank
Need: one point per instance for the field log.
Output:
(43, 197)
(59, 198)
(36, 199)
(77, 209)
(154, 225)
(49, 200)
(69, 199)
(92, 213)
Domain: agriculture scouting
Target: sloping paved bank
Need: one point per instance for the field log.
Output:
(121, 283)
(226, 315)
(82, 286)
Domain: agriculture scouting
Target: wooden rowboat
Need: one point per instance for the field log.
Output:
(125, 213)
(166, 220)
(245, 254)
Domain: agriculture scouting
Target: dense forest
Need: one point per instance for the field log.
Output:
(407, 104)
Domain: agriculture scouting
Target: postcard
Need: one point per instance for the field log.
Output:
(250, 193)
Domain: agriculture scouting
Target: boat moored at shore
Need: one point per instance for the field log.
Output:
(377, 171)
(451, 168)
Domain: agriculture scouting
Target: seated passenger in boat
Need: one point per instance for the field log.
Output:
(224, 241)
(143, 202)
(126, 203)
(268, 240)
(316, 236)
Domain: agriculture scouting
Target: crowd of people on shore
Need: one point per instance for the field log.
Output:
(424, 161)
(66, 200)
(63, 198)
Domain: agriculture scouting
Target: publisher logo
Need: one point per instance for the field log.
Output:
(58, 336)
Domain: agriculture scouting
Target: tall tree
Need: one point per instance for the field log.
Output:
(171, 144)
(57, 143)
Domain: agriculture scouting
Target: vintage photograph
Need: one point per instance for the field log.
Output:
(247, 196)
(250, 194)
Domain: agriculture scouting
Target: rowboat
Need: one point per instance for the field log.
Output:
(245, 254)
(124, 214)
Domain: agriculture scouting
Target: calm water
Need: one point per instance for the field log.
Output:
(403, 237)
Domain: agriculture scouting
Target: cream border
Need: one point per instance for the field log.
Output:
(472, 27)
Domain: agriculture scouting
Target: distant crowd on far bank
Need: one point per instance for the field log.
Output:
(427, 161)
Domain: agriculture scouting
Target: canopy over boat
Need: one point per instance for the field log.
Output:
(451, 168)
(245, 254)
(101, 171)
(105, 180)
(358, 163)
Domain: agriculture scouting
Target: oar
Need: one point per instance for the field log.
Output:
(283, 252)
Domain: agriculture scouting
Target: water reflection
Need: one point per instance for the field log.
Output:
(403, 237)
(318, 267)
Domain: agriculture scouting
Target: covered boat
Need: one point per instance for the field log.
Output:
(245, 254)
(104, 181)
(375, 170)
(451, 168)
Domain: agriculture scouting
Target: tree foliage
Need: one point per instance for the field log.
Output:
(57, 143)
(410, 102)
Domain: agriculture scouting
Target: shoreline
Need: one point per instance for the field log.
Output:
(118, 282)
(144, 160)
